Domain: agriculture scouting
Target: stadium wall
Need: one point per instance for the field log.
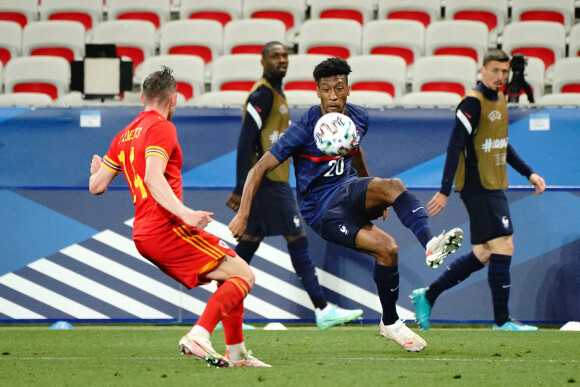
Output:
(68, 255)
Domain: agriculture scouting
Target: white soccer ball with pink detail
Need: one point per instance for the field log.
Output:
(335, 134)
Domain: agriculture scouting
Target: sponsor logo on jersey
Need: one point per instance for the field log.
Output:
(494, 115)
(494, 143)
(343, 229)
(223, 244)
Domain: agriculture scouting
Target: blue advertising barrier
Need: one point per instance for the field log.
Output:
(68, 255)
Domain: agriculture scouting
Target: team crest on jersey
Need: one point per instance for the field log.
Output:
(296, 221)
(506, 222)
(342, 228)
(223, 244)
(494, 115)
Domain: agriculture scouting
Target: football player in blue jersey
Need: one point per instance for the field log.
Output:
(338, 198)
(477, 158)
(274, 209)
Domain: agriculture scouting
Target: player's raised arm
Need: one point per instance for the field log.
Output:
(253, 181)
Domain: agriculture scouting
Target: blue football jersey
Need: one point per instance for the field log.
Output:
(317, 175)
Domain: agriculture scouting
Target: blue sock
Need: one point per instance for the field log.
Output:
(498, 277)
(387, 281)
(456, 272)
(247, 249)
(300, 256)
(413, 215)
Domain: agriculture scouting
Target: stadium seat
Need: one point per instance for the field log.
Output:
(37, 74)
(404, 38)
(290, 12)
(493, 13)
(444, 73)
(10, 41)
(135, 39)
(87, 12)
(360, 11)
(153, 11)
(424, 11)
(370, 99)
(457, 37)
(187, 71)
(220, 99)
(19, 11)
(25, 99)
(248, 36)
(560, 99)
(201, 38)
(544, 40)
(300, 68)
(236, 72)
(335, 37)
(301, 98)
(223, 11)
(567, 76)
(559, 11)
(430, 99)
(379, 73)
(574, 44)
(61, 38)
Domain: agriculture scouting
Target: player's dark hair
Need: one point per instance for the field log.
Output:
(159, 85)
(268, 47)
(495, 54)
(331, 67)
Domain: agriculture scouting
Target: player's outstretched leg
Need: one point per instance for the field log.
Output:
(334, 315)
(402, 335)
(422, 307)
(202, 348)
(441, 246)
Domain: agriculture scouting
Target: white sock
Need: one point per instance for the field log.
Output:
(198, 332)
(236, 351)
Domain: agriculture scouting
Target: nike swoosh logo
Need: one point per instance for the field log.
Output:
(395, 289)
(416, 209)
(505, 286)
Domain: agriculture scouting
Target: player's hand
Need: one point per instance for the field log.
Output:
(234, 201)
(437, 204)
(238, 226)
(538, 182)
(96, 164)
(197, 219)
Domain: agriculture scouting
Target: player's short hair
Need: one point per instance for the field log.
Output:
(159, 85)
(495, 54)
(330, 67)
(268, 47)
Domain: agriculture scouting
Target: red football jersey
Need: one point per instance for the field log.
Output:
(149, 135)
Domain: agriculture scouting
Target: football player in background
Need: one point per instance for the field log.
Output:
(338, 199)
(477, 154)
(274, 209)
(169, 234)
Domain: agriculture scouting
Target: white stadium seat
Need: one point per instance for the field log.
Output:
(335, 37)
(361, 10)
(430, 99)
(65, 39)
(379, 73)
(300, 68)
(493, 13)
(457, 37)
(223, 11)
(248, 36)
(444, 73)
(10, 41)
(39, 74)
(424, 11)
(236, 72)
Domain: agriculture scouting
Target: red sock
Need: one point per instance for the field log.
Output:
(233, 325)
(223, 302)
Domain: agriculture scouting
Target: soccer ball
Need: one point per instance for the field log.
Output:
(335, 134)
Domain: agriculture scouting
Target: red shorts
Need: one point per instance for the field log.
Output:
(185, 254)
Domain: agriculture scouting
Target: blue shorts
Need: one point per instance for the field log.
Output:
(489, 216)
(345, 213)
(274, 211)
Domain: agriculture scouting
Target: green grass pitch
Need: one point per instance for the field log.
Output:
(356, 355)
